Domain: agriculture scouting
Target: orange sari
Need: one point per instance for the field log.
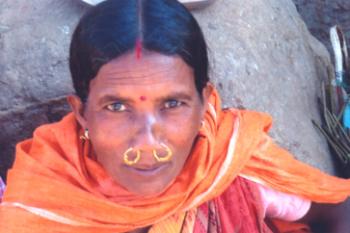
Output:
(54, 184)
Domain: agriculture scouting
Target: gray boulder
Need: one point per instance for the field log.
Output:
(263, 58)
(34, 75)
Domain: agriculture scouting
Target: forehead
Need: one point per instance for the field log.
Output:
(150, 71)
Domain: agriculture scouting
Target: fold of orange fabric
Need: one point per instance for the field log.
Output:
(55, 184)
(275, 167)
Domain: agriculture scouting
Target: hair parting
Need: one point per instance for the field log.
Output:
(138, 48)
(113, 28)
(138, 43)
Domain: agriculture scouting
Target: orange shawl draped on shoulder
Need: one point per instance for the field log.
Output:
(54, 184)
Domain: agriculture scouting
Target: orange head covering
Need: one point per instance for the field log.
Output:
(54, 184)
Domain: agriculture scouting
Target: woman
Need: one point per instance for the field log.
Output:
(147, 147)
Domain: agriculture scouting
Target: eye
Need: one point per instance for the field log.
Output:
(172, 104)
(116, 107)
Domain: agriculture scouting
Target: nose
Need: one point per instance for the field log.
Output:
(147, 138)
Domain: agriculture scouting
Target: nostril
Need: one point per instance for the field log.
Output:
(159, 152)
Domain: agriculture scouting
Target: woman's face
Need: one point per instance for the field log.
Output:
(142, 104)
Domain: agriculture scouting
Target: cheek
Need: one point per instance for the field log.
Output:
(181, 139)
(109, 136)
(183, 130)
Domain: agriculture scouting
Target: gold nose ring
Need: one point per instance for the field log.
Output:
(165, 158)
(135, 160)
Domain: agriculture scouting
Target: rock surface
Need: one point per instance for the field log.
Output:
(34, 75)
(263, 58)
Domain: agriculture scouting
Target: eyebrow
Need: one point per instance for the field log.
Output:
(113, 98)
(176, 95)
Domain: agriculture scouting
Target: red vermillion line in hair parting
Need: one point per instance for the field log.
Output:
(138, 48)
(138, 45)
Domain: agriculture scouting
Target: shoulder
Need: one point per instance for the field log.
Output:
(266, 201)
(239, 207)
(241, 194)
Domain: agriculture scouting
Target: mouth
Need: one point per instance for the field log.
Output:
(149, 170)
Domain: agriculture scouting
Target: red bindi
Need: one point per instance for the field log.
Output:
(143, 98)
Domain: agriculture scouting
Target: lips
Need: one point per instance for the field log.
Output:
(148, 171)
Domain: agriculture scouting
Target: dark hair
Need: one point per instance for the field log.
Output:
(113, 27)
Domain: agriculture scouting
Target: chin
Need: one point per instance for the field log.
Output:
(148, 190)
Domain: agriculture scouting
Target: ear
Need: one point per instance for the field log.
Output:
(206, 92)
(77, 107)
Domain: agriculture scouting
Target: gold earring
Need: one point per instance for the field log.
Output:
(167, 157)
(85, 137)
(135, 160)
